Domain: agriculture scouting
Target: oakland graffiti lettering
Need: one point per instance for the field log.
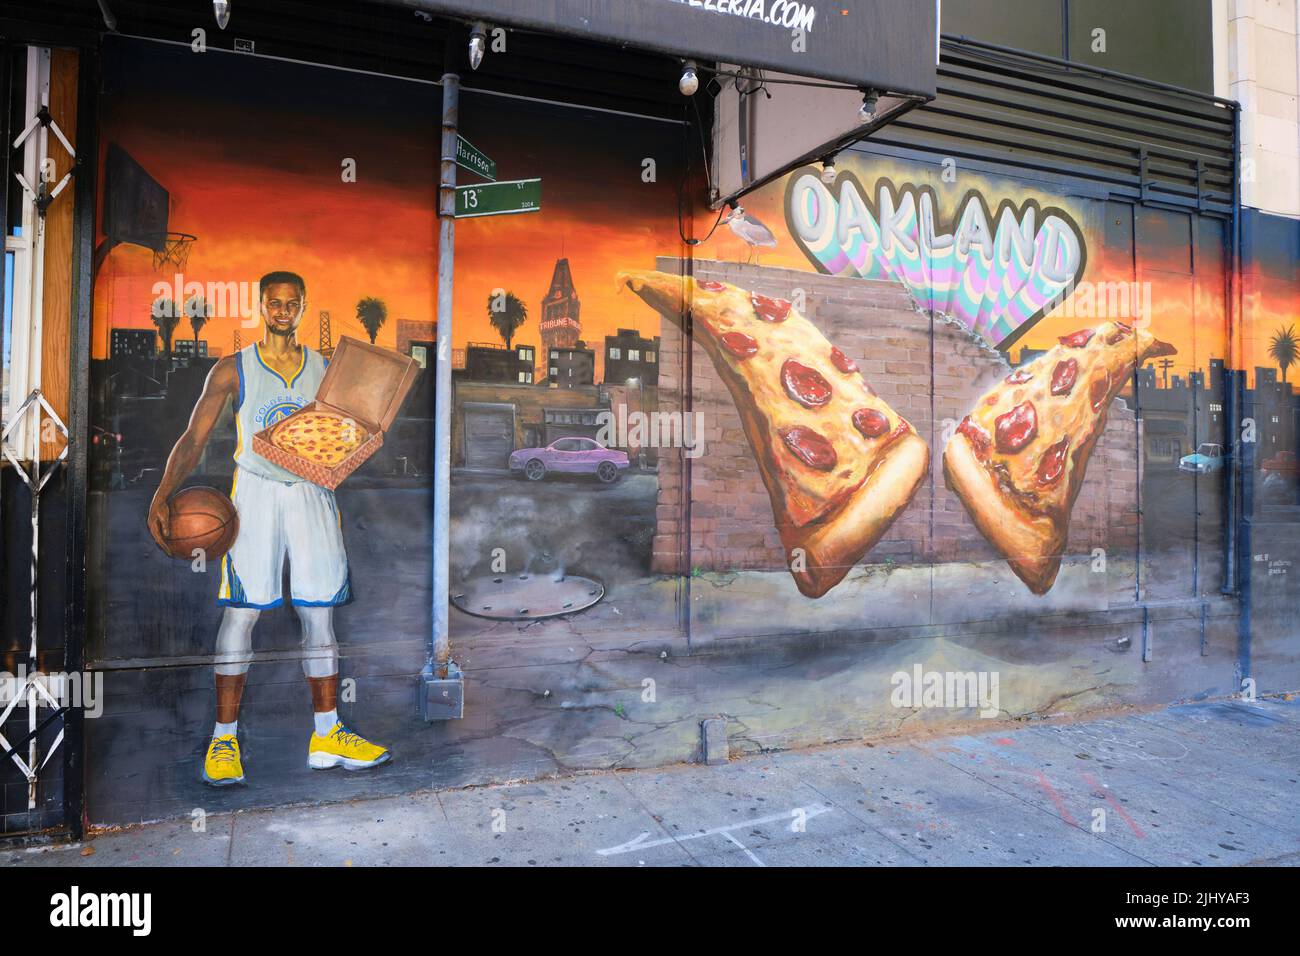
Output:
(995, 273)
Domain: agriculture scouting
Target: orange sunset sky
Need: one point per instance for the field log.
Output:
(254, 169)
(252, 160)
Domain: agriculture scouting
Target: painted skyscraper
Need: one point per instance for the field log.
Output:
(561, 328)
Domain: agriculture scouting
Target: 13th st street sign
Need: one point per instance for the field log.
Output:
(499, 199)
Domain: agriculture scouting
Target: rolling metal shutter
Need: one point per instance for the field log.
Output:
(489, 436)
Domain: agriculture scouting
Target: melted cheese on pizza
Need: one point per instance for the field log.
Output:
(1035, 429)
(815, 424)
(319, 436)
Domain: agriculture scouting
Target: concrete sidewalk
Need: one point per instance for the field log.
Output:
(1209, 784)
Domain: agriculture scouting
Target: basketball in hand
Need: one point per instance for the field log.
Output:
(200, 517)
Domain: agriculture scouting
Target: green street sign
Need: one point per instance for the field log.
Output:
(475, 160)
(499, 199)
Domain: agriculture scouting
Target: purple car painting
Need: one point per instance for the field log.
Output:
(570, 456)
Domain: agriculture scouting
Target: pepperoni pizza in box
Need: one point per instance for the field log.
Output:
(358, 400)
(1017, 461)
(838, 462)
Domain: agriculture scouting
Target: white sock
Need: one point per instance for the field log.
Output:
(325, 721)
(221, 730)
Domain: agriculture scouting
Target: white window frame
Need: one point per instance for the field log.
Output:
(28, 250)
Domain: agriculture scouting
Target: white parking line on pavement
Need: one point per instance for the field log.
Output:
(641, 842)
(748, 852)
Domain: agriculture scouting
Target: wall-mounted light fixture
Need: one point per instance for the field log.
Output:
(477, 44)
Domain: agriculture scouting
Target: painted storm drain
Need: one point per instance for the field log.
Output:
(527, 597)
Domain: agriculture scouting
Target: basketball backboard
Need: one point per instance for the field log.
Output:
(137, 210)
(136, 205)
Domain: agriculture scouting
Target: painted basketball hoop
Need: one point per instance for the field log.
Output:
(137, 212)
(171, 248)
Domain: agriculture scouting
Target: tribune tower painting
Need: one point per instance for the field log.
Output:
(561, 327)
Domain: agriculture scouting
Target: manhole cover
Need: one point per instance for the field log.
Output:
(527, 597)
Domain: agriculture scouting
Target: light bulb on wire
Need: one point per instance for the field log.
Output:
(867, 112)
(690, 81)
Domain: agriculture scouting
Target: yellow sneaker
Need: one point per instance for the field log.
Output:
(342, 748)
(222, 767)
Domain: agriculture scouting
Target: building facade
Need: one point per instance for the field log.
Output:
(1081, 180)
(571, 367)
(485, 362)
(417, 338)
(629, 356)
(185, 349)
(134, 343)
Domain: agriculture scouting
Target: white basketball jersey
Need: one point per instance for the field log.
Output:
(265, 397)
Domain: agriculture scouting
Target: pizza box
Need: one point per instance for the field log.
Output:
(363, 382)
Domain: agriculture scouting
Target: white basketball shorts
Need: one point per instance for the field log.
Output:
(278, 519)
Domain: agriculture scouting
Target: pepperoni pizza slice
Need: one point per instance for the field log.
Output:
(1017, 461)
(838, 462)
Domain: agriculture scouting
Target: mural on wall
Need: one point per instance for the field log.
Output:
(1271, 303)
(261, 451)
(555, 464)
(1029, 351)
(891, 402)
(1044, 350)
(280, 511)
(231, 287)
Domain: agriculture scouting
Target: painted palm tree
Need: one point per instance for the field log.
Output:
(372, 313)
(165, 318)
(506, 312)
(1284, 349)
(198, 312)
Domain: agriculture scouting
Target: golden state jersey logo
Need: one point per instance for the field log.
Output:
(276, 409)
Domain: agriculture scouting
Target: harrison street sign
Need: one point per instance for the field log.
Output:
(475, 160)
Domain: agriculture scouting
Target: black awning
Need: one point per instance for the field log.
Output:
(888, 45)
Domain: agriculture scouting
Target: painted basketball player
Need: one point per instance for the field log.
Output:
(280, 515)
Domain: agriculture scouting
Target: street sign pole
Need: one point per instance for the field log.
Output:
(441, 685)
(442, 378)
